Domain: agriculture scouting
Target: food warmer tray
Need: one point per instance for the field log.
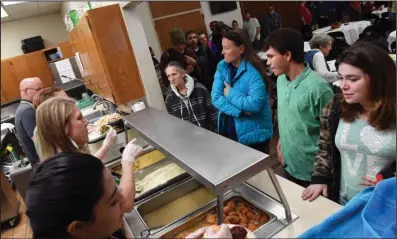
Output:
(151, 168)
(261, 201)
(220, 164)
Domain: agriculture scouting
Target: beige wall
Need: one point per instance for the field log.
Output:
(50, 27)
(67, 6)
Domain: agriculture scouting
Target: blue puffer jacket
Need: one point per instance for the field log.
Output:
(248, 94)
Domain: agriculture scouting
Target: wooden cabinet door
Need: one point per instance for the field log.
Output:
(81, 49)
(38, 67)
(161, 9)
(9, 82)
(116, 53)
(3, 96)
(192, 20)
(96, 67)
(67, 49)
(21, 67)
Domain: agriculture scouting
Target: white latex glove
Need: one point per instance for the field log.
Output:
(209, 232)
(131, 152)
(110, 138)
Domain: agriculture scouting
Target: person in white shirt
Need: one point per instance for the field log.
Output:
(321, 45)
(252, 27)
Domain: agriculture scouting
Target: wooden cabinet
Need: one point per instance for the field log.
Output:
(66, 48)
(20, 66)
(161, 9)
(192, 20)
(15, 69)
(38, 67)
(3, 96)
(106, 54)
(9, 82)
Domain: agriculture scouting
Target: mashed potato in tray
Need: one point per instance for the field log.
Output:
(144, 161)
(158, 177)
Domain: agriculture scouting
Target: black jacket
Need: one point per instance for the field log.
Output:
(208, 63)
(196, 107)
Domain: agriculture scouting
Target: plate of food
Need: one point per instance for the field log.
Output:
(238, 232)
(108, 120)
(99, 132)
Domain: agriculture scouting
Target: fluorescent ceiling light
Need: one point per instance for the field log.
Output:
(5, 3)
(3, 13)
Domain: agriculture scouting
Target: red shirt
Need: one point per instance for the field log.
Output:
(356, 5)
(305, 13)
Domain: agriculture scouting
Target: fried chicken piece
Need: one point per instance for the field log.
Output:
(244, 210)
(210, 219)
(250, 215)
(252, 226)
(227, 209)
(264, 219)
(244, 219)
(234, 214)
(232, 220)
(231, 205)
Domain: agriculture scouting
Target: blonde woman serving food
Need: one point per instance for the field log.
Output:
(50, 92)
(67, 133)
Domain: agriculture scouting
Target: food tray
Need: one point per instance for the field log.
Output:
(155, 156)
(180, 196)
(144, 172)
(199, 221)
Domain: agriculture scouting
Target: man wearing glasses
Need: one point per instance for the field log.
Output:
(25, 117)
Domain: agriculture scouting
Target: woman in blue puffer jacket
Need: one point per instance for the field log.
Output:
(240, 94)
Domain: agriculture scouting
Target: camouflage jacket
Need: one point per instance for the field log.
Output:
(326, 168)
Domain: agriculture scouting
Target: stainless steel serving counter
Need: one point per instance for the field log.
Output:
(263, 202)
(218, 163)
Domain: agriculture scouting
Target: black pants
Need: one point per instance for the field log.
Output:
(307, 32)
(263, 146)
(322, 22)
(356, 16)
(302, 183)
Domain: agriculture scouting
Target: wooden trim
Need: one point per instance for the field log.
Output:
(165, 8)
(177, 14)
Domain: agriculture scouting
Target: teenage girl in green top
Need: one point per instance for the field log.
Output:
(358, 131)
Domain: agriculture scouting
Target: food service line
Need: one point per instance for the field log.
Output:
(216, 162)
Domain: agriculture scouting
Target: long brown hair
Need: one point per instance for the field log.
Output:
(381, 69)
(239, 38)
(44, 94)
(52, 118)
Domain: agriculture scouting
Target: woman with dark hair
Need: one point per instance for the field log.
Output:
(240, 93)
(73, 195)
(358, 128)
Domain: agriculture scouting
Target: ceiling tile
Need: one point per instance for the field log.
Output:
(6, 3)
(22, 9)
(31, 9)
(50, 4)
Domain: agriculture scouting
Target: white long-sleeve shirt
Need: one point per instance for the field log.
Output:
(319, 65)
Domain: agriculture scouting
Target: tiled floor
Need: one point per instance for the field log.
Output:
(22, 229)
